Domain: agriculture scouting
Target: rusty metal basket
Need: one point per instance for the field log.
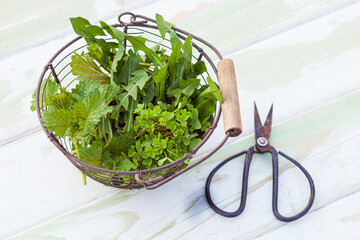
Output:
(59, 68)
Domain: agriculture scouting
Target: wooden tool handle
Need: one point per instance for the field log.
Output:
(230, 100)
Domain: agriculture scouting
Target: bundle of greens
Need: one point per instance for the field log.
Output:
(135, 108)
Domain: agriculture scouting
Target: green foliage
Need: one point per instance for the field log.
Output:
(51, 89)
(134, 108)
(85, 68)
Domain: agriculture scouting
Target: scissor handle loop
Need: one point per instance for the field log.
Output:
(276, 186)
(243, 191)
(244, 188)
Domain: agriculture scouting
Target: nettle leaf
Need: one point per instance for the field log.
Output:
(95, 154)
(130, 66)
(85, 68)
(123, 163)
(62, 101)
(165, 27)
(90, 111)
(83, 89)
(109, 92)
(57, 120)
(121, 143)
(138, 43)
(51, 89)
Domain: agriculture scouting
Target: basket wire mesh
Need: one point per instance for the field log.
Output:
(59, 69)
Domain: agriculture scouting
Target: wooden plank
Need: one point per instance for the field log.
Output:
(48, 20)
(325, 140)
(19, 75)
(338, 220)
(37, 183)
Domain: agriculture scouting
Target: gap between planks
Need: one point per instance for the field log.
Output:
(311, 211)
(290, 26)
(307, 215)
(239, 47)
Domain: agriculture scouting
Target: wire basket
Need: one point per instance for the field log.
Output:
(59, 68)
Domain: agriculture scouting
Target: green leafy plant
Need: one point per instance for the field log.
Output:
(131, 109)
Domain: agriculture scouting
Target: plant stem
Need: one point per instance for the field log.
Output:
(146, 64)
(75, 140)
(103, 123)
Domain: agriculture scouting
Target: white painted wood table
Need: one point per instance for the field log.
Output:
(303, 56)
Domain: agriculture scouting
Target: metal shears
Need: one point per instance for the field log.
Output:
(262, 145)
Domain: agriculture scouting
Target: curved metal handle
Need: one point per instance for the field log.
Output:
(276, 187)
(249, 154)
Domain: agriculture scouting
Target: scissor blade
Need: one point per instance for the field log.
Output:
(268, 122)
(257, 123)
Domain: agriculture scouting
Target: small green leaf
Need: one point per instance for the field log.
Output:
(212, 92)
(51, 89)
(138, 43)
(57, 120)
(168, 115)
(114, 32)
(165, 27)
(79, 25)
(86, 69)
(189, 86)
(130, 66)
(194, 142)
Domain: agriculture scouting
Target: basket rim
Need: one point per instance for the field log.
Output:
(83, 164)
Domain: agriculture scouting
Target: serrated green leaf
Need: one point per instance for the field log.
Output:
(137, 82)
(90, 111)
(165, 27)
(83, 89)
(130, 66)
(121, 143)
(109, 92)
(138, 43)
(124, 164)
(51, 89)
(62, 101)
(117, 59)
(85, 68)
(95, 154)
(57, 120)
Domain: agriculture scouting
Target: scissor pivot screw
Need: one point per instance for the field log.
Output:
(262, 142)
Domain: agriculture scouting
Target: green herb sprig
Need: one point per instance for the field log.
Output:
(131, 109)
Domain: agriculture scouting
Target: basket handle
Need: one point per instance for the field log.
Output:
(230, 99)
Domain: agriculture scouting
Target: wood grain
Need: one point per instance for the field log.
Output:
(298, 54)
(19, 75)
(230, 99)
(324, 140)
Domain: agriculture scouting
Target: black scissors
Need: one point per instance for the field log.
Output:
(262, 136)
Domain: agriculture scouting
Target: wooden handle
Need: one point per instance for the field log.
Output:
(230, 100)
